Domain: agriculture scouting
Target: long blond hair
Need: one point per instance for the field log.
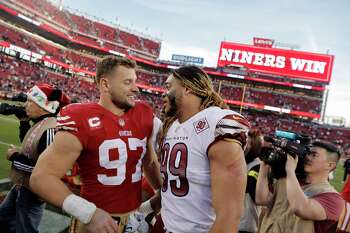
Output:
(200, 84)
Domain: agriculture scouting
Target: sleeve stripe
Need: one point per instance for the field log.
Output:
(228, 127)
(66, 128)
(232, 122)
(66, 123)
(47, 137)
(23, 167)
(221, 131)
(232, 126)
(64, 118)
(50, 136)
(237, 118)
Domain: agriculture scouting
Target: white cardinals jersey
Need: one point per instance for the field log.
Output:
(185, 168)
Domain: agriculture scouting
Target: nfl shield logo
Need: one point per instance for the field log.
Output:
(121, 122)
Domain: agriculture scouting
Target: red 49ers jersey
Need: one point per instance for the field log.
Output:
(113, 147)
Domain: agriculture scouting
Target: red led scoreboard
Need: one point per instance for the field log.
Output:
(283, 62)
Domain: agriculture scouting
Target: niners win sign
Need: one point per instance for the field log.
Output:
(289, 63)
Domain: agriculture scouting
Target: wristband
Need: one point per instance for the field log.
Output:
(79, 208)
(146, 208)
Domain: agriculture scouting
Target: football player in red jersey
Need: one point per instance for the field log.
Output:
(110, 140)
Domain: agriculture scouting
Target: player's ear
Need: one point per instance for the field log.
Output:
(332, 165)
(104, 84)
(187, 91)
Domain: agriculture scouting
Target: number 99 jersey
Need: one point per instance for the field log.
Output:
(113, 148)
(185, 168)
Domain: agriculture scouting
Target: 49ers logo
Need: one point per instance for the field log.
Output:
(201, 125)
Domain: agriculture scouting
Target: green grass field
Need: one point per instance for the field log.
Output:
(9, 135)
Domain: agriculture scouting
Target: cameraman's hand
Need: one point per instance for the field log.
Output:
(264, 167)
(291, 164)
(11, 151)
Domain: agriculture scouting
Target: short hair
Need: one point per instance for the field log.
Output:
(256, 142)
(106, 65)
(346, 147)
(333, 152)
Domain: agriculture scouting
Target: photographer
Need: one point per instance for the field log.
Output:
(311, 206)
(21, 211)
(249, 219)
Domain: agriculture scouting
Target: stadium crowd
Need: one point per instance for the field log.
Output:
(111, 37)
(239, 177)
(325, 201)
(19, 76)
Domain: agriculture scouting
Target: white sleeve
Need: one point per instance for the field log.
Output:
(157, 124)
(233, 126)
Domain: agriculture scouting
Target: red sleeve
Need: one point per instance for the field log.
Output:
(232, 126)
(69, 119)
(332, 204)
(147, 187)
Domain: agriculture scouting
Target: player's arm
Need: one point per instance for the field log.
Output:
(228, 179)
(151, 167)
(46, 182)
(151, 171)
(53, 164)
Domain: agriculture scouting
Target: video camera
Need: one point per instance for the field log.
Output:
(9, 109)
(282, 144)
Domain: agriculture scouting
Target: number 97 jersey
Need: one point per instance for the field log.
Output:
(113, 148)
(185, 168)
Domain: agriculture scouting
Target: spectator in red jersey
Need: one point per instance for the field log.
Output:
(312, 207)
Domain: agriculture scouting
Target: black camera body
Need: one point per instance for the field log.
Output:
(282, 144)
(9, 109)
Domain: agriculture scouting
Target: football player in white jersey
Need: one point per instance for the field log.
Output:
(202, 160)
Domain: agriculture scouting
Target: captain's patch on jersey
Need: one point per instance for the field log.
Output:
(201, 125)
(94, 122)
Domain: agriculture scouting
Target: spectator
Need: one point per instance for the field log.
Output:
(21, 211)
(249, 219)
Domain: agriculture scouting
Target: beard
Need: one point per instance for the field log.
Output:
(173, 104)
(119, 103)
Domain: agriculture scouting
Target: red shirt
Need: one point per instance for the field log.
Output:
(346, 191)
(113, 146)
(333, 204)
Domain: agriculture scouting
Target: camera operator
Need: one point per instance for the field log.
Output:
(249, 219)
(343, 224)
(21, 211)
(309, 206)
